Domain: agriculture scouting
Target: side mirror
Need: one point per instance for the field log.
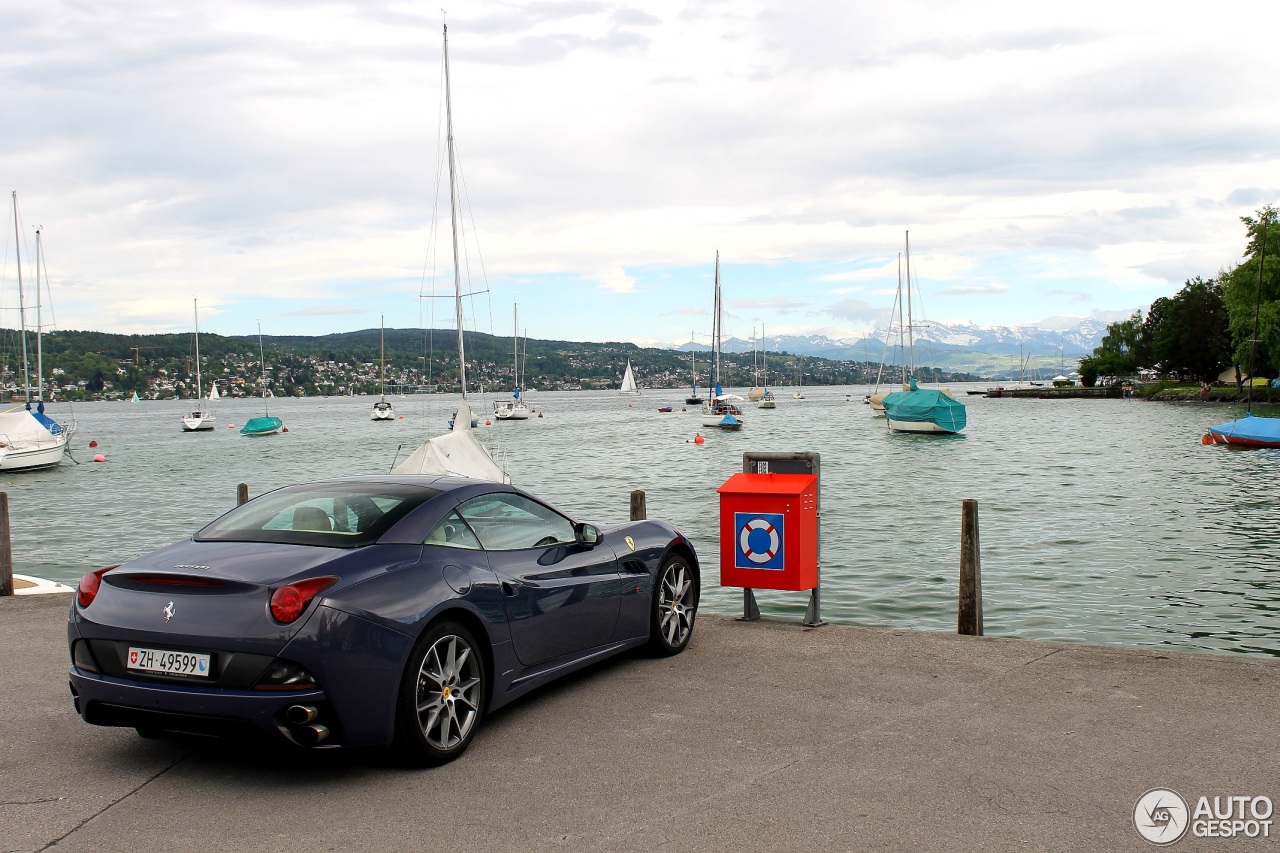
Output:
(586, 534)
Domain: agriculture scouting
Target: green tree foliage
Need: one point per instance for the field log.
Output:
(1251, 290)
(1189, 335)
(1115, 357)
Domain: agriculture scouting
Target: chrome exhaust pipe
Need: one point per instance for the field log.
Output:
(314, 734)
(300, 715)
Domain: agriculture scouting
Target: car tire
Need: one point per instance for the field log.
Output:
(442, 696)
(675, 606)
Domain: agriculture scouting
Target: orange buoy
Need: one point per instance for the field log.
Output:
(1206, 439)
(93, 444)
(401, 417)
(698, 439)
(98, 457)
(231, 426)
(488, 422)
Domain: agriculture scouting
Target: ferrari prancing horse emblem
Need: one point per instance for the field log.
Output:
(169, 610)
(631, 543)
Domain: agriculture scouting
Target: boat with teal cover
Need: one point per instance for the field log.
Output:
(924, 410)
(268, 425)
(1249, 431)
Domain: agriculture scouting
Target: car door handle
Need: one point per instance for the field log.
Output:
(508, 589)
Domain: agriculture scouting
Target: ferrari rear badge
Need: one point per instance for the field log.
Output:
(169, 610)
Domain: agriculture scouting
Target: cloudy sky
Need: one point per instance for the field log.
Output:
(281, 160)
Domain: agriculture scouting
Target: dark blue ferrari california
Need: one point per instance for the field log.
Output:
(371, 611)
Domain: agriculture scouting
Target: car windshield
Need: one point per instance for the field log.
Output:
(337, 515)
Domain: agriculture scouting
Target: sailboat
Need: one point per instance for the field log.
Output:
(799, 394)
(265, 425)
(201, 419)
(767, 400)
(719, 411)
(1250, 431)
(30, 439)
(693, 399)
(457, 452)
(514, 409)
(918, 410)
(629, 387)
(382, 410)
(755, 392)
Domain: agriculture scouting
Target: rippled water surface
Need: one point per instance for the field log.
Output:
(1102, 521)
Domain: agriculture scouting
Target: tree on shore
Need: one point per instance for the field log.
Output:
(1244, 298)
(1116, 355)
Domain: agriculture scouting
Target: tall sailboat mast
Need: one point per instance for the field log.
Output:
(715, 332)
(911, 345)
(22, 306)
(453, 214)
(195, 307)
(39, 326)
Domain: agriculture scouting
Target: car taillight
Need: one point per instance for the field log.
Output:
(288, 602)
(89, 584)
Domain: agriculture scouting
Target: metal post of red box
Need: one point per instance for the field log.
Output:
(769, 529)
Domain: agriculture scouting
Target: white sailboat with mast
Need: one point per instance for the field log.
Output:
(514, 409)
(200, 419)
(767, 400)
(457, 452)
(382, 410)
(720, 410)
(30, 439)
(629, 387)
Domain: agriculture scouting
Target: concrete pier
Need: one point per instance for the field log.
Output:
(762, 736)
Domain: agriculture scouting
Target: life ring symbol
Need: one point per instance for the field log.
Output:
(745, 537)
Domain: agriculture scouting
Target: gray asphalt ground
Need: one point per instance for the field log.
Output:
(762, 736)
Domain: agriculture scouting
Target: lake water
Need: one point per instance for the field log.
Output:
(1103, 521)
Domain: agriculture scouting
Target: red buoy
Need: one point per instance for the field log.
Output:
(98, 457)
(93, 444)
(1206, 439)
(698, 439)
(284, 429)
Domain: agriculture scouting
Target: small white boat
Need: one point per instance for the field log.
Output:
(629, 387)
(767, 400)
(201, 419)
(720, 411)
(382, 410)
(516, 409)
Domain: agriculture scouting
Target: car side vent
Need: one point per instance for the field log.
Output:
(634, 567)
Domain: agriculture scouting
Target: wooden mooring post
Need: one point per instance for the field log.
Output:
(242, 494)
(639, 511)
(969, 619)
(6, 548)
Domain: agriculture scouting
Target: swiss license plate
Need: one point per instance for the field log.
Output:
(167, 662)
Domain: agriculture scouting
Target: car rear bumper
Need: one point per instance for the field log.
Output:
(110, 701)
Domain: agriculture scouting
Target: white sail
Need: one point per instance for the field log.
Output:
(213, 391)
(457, 453)
(629, 382)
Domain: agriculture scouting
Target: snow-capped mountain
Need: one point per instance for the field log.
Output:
(1079, 340)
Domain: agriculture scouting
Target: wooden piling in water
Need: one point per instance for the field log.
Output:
(969, 616)
(639, 511)
(6, 548)
(242, 494)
